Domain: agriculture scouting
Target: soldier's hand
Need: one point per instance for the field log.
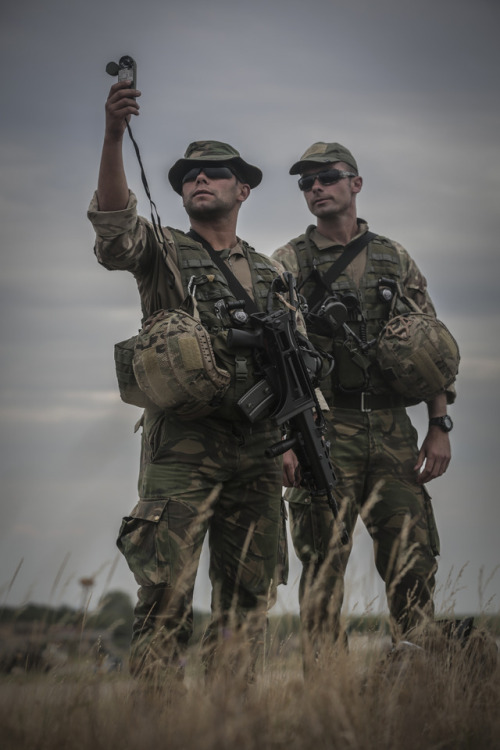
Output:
(121, 104)
(291, 470)
(434, 457)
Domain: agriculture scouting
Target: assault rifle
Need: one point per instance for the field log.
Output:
(286, 392)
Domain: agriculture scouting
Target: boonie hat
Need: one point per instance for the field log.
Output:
(324, 153)
(213, 153)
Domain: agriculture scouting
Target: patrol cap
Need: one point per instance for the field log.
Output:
(213, 153)
(324, 153)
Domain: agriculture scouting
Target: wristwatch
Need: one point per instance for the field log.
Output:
(444, 423)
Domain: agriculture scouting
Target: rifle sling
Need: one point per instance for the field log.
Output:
(324, 281)
(238, 291)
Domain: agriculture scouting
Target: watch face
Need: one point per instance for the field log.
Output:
(444, 423)
(447, 423)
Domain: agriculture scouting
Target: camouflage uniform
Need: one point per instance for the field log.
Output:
(373, 450)
(197, 476)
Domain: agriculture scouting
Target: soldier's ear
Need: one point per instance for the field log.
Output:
(356, 184)
(244, 191)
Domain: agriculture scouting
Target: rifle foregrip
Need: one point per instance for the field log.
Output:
(279, 448)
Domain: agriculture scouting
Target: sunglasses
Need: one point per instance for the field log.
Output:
(213, 173)
(327, 177)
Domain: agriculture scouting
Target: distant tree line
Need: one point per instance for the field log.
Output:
(114, 615)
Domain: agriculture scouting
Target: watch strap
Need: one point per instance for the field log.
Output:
(444, 422)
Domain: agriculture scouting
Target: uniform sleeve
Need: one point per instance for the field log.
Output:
(288, 258)
(414, 282)
(123, 239)
(127, 242)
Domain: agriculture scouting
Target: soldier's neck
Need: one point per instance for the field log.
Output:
(220, 234)
(339, 229)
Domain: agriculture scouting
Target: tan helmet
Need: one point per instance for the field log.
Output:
(418, 355)
(175, 365)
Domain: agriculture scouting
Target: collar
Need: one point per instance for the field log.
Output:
(324, 243)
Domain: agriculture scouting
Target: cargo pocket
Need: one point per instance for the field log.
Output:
(297, 495)
(144, 541)
(431, 524)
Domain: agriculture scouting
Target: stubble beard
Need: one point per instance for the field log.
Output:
(215, 210)
(325, 211)
(205, 213)
(330, 209)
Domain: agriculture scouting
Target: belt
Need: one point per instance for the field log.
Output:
(366, 401)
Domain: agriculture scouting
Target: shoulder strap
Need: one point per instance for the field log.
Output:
(325, 280)
(238, 291)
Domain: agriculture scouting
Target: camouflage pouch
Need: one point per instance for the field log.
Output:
(351, 366)
(130, 392)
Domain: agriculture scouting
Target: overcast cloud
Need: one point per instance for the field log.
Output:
(410, 87)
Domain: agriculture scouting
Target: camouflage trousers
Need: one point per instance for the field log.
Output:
(208, 476)
(373, 455)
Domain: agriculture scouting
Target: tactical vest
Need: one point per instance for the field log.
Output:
(197, 269)
(355, 367)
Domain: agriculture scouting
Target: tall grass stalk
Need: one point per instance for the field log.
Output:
(352, 701)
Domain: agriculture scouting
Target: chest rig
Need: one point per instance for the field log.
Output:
(202, 277)
(352, 341)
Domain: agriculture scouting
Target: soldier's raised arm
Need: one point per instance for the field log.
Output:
(112, 186)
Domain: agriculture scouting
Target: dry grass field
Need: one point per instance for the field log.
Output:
(361, 700)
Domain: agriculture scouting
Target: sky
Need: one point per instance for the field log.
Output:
(412, 88)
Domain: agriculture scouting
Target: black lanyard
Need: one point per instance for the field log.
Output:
(237, 289)
(324, 281)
